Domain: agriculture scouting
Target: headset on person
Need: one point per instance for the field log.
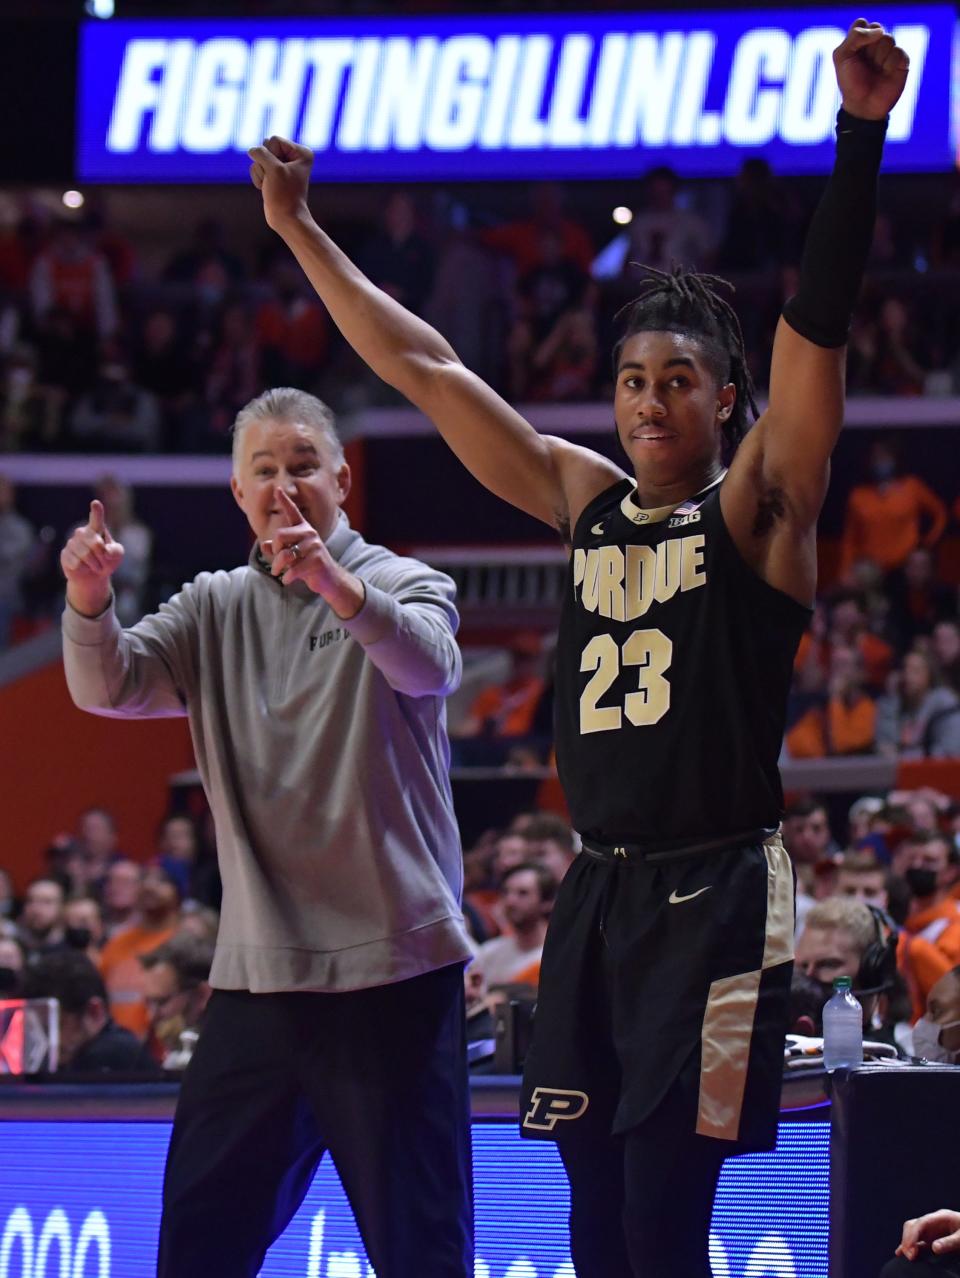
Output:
(878, 965)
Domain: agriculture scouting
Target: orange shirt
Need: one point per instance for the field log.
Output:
(939, 926)
(883, 523)
(921, 965)
(851, 728)
(123, 974)
(510, 707)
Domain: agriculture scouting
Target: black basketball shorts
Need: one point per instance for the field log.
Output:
(661, 974)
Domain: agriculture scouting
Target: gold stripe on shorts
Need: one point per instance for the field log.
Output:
(727, 1031)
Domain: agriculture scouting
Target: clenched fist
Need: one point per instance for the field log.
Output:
(89, 560)
(280, 170)
(871, 70)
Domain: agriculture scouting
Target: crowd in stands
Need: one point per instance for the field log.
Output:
(110, 343)
(123, 944)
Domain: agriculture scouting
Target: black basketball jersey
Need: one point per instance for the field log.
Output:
(674, 663)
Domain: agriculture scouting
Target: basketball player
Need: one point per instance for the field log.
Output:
(313, 678)
(659, 1041)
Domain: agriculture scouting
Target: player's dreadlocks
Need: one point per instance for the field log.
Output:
(681, 301)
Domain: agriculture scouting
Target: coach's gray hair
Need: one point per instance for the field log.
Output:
(287, 404)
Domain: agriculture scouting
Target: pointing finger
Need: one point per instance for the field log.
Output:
(289, 507)
(97, 521)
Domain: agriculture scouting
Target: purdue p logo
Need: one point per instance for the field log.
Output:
(551, 1105)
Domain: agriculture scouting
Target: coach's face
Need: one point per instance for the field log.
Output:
(298, 459)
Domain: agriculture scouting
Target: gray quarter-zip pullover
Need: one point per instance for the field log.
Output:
(322, 747)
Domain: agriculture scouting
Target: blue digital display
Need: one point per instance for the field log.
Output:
(548, 96)
(82, 1200)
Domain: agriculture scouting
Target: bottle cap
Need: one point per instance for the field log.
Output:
(843, 983)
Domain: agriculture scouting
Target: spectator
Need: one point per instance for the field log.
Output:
(234, 371)
(116, 414)
(946, 650)
(835, 939)
(527, 892)
(929, 864)
(30, 413)
(936, 1036)
(8, 903)
(97, 842)
(159, 909)
(83, 922)
(41, 925)
(862, 878)
(397, 258)
(207, 264)
(121, 895)
(545, 295)
(563, 366)
(178, 848)
(895, 366)
(918, 599)
(71, 275)
(757, 233)
(130, 579)
(90, 1042)
(176, 992)
(921, 718)
(809, 842)
(18, 543)
(292, 330)
(885, 516)
(663, 233)
(522, 241)
(841, 722)
(164, 364)
(12, 965)
(848, 625)
(507, 709)
(199, 921)
(551, 843)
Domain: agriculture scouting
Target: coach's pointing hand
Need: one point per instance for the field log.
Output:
(280, 170)
(89, 560)
(871, 70)
(299, 554)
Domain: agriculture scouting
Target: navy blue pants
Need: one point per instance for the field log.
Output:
(378, 1077)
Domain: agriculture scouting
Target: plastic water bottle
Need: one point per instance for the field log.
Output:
(842, 1028)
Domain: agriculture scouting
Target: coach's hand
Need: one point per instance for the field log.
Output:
(298, 553)
(938, 1231)
(89, 560)
(871, 70)
(280, 170)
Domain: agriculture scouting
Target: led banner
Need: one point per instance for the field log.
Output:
(82, 1200)
(510, 97)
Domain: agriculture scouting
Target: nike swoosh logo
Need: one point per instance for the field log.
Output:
(678, 900)
(597, 530)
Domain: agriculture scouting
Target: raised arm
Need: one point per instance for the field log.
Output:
(778, 480)
(547, 477)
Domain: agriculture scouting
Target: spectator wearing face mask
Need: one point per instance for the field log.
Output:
(929, 863)
(83, 922)
(936, 1035)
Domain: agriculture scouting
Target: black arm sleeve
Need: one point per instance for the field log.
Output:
(838, 241)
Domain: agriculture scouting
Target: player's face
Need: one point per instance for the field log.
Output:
(298, 459)
(668, 407)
